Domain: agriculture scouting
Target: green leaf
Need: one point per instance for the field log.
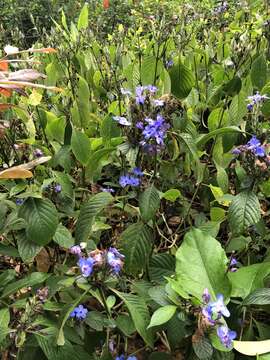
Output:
(83, 18)
(30, 280)
(171, 195)
(149, 203)
(83, 96)
(258, 297)
(41, 218)
(193, 151)
(81, 146)
(27, 249)
(248, 278)
(88, 213)
(162, 315)
(9, 250)
(182, 80)
(55, 128)
(252, 348)
(209, 265)
(149, 69)
(95, 160)
(6, 277)
(63, 237)
(202, 347)
(244, 211)
(136, 244)
(4, 318)
(96, 320)
(258, 72)
(139, 313)
(203, 139)
(161, 266)
(238, 109)
(125, 324)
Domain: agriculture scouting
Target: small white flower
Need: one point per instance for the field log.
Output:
(9, 50)
(83, 245)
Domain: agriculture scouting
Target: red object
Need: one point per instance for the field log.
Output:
(106, 4)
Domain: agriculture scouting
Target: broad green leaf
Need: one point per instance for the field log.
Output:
(202, 347)
(189, 143)
(203, 139)
(258, 297)
(88, 213)
(248, 278)
(258, 72)
(55, 128)
(162, 315)
(83, 18)
(161, 266)
(27, 249)
(30, 280)
(182, 80)
(252, 348)
(125, 324)
(244, 211)
(171, 195)
(139, 313)
(6, 277)
(95, 160)
(209, 265)
(81, 146)
(83, 105)
(136, 242)
(151, 68)
(41, 218)
(9, 250)
(238, 109)
(149, 203)
(4, 318)
(63, 237)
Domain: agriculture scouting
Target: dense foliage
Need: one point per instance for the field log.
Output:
(135, 183)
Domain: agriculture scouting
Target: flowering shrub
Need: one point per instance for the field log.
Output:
(135, 185)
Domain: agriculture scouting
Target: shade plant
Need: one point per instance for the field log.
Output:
(135, 184)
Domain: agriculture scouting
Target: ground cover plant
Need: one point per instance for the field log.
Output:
(134, 155)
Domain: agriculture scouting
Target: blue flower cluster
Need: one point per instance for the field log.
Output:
(122, 357)
(253, 145)
(154, 130)
(213, 312)
(256, 99)
(115, 260)
(132, 179)
(232, 265)
(97, 258)
(79, 312)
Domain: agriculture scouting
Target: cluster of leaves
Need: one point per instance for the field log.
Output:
(150, 135)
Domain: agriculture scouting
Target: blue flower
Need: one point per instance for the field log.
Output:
(126, 180)
(137, 171)
(115, 260)
(19, 201)
(76, 250)
(139, 125)
(122, 120)
(151, 88)
(86, 266)
(256, 147)
(156, 130)
(57, 188)
(79, 312)
(218, 307)
(169, 64)
(226, 335)
(122, 357)
(206, 296)
(214, 310)
(140, 98)
(38, 153)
